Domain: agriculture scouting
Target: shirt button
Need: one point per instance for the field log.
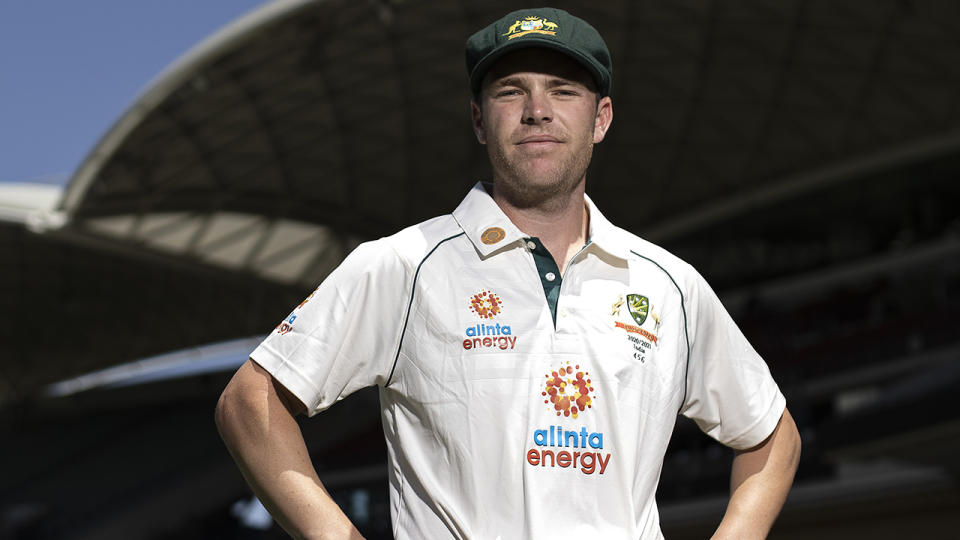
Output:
(531, 246)
(563, 312)
(550, 276)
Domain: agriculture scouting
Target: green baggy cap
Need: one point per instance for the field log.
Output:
(539, 27)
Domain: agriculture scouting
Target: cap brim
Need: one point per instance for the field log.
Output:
(485, 63)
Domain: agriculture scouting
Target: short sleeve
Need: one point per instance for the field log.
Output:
(344, 336)
(730, 392)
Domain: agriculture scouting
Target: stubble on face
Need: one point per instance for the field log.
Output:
(538, 174)
(530, 178)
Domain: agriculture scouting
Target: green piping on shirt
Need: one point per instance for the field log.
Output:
(686, 334)
(413, 289)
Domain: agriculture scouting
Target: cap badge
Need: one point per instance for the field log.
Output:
(531, 25)
(492, 235)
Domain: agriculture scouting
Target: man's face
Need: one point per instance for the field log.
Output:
(539, 116)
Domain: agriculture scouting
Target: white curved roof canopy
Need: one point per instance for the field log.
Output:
(23, 203)
(763, 142)
(353, 117)
(802, 154)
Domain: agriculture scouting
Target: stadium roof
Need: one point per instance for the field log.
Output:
(786, 149)
(762, 141)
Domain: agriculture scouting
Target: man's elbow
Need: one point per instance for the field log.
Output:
(225, 414)
(791, 442)
(252, 404)
(239, 405)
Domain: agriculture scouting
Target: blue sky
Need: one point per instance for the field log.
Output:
(69, 69)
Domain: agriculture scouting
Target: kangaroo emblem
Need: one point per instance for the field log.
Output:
(617, 305)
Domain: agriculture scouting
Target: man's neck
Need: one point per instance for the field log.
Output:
(561, 223)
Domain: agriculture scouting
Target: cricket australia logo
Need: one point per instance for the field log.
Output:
(643, 340)
(639, 306)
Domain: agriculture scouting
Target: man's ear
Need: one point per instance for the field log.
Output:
(604, 119)
(476, 115)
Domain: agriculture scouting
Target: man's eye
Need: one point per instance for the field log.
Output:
(511, 92)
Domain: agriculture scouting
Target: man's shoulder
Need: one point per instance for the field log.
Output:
(643, 249)
(415, 242)
(400, 253)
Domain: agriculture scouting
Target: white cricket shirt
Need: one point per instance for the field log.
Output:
(499, 422)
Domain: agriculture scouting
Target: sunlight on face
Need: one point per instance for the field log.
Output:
(539, 116)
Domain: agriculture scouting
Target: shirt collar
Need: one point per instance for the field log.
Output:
(484, 222)
(490, 230)
(604, 234)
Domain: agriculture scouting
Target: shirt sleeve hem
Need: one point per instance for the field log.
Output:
(289, 376)
(762, 428)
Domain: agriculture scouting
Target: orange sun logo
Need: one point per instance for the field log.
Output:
(486, 304)
(569, 392)
(307, 299)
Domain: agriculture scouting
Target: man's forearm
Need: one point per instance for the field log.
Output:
(759, 482)
(264, 439)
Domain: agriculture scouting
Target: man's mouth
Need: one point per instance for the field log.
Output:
(535, 141)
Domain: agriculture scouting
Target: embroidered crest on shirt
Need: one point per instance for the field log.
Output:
(638, 306)
(640, 310)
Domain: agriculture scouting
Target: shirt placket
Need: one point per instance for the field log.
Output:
(550, 279)
(548, 272)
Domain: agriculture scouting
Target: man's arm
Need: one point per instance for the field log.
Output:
(759, 482)
(255, 417)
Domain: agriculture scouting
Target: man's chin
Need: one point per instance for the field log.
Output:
(540, 172)
(531, 190)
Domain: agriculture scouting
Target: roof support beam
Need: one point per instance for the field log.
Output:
(795, 185)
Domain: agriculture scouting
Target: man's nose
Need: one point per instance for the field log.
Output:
(537, 108)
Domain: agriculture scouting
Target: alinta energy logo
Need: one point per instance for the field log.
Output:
(287, 325)
(569, 392)
(488, 305)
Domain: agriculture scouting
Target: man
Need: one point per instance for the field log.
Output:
(531, 357)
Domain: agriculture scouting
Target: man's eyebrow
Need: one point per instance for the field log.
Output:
(553, 81)
(507, 81)
(564, 81)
